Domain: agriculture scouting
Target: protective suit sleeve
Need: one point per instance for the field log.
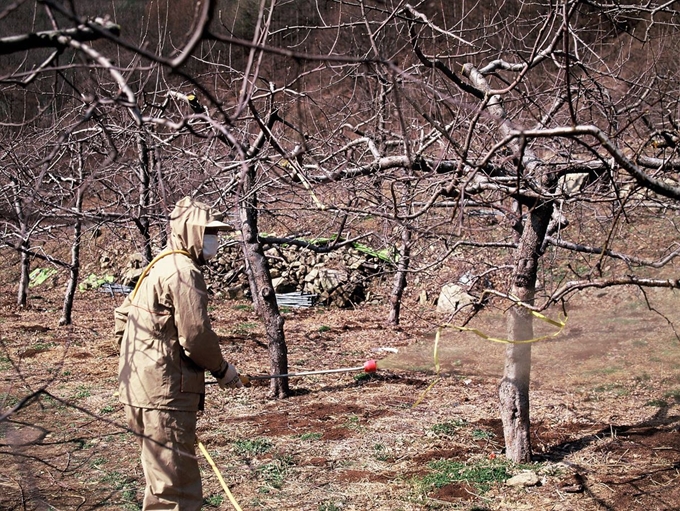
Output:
(196, 336)
(120, 316)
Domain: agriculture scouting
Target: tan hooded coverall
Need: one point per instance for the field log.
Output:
(166, 345)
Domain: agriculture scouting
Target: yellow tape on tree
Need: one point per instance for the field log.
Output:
(559, 323)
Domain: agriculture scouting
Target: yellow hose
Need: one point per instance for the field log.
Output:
(155, 260)
(219, 476)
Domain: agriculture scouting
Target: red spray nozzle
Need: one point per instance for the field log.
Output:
(370, 366)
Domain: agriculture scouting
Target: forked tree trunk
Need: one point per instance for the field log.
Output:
(513, 390)
(261, 285)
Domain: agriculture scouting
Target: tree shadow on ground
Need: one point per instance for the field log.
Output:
(655, 439)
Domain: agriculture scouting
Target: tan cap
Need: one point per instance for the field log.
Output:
(221, 226)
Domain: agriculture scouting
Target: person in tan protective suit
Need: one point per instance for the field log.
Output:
(166, 345)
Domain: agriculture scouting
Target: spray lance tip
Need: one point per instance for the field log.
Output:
(370, 366)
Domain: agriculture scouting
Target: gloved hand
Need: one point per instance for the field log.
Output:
(227, 377)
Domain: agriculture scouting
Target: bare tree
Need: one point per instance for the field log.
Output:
(72, 286)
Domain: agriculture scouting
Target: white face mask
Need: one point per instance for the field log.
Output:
(210, 246)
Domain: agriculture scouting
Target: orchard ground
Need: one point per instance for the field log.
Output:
(605, 403)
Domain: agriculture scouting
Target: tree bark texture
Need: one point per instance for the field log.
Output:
(400, 278)
(260, 280)
(144, 174)
(24, 279)
(72, 286)
(513, 390)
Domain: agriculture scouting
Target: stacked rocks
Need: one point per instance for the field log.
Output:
(339, 278)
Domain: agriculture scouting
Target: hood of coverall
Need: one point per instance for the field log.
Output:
(188, 222)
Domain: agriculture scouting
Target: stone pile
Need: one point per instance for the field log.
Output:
(339, 278)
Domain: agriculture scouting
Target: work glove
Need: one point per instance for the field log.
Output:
(227, 377)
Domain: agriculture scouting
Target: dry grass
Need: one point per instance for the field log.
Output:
(604, 406)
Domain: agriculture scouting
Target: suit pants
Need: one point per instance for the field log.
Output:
(168, 442)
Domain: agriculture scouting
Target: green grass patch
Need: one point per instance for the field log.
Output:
(254, 447)
(275, 472)
(364, 377)
(43, 345)
(98, 462)
(659, 403)
(244, 328)
(481, 475)
(644, 377)
(214, 500)
(380, 452)
(605, 370)
(309, 437)
(324, 328)
(673, 394)
(124, 486)
(8, 400)
(616, 388)
(4, 363)
(353, 422)
(482, 434)
(242, 307)
(82, 392)
(114, 479)
(447, 429)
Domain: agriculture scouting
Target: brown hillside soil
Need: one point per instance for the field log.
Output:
(605, 411)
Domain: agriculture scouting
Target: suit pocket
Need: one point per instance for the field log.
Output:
(193, 377)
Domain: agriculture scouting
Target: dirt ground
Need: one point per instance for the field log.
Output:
(605, 411)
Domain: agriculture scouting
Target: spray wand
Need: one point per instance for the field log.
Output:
(370, 366)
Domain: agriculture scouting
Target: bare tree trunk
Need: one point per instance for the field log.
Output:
(158, 192)
(514, 387)
(144, 174)
(72, 286)
(260, 279)
(400, 277)
(25, 245)
(24, 278)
